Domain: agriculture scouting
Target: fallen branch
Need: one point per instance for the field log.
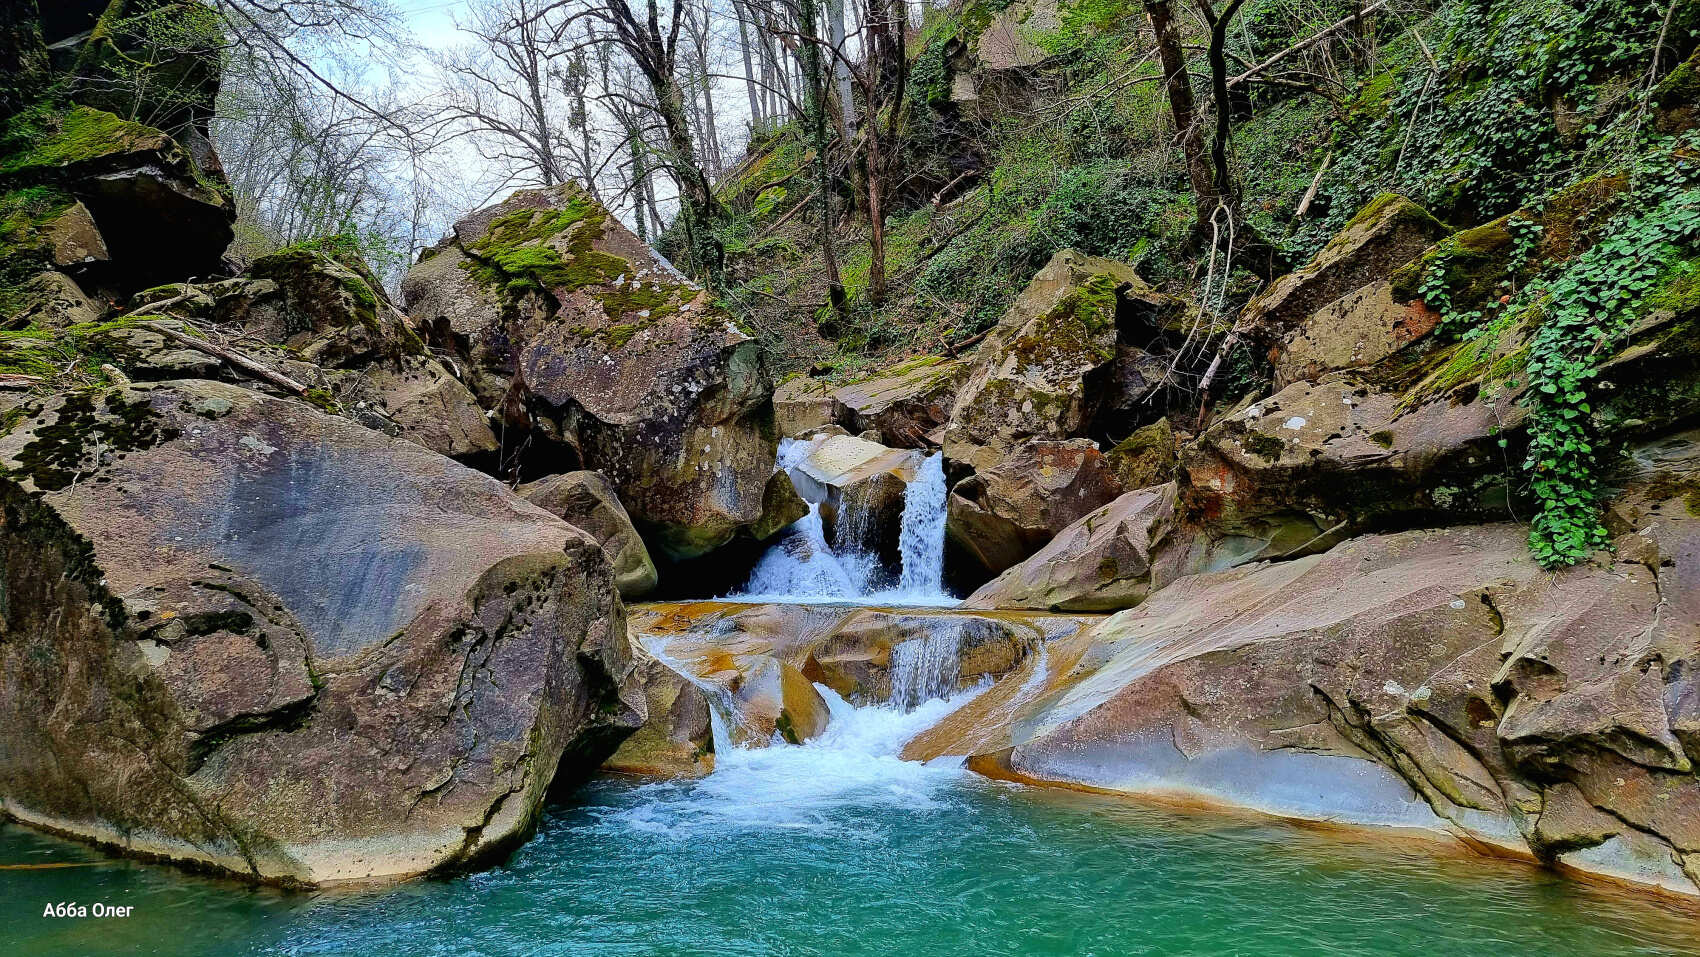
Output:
(967, 343)
(1310, 194)
(1306, 44)
(939, 196)
(235, 359)
(788, 214)
(15, 380)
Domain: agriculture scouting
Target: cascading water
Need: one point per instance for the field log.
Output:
(925, 668)
(921, 534)
(802, 567)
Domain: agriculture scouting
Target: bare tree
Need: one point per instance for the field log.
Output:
(501, 89)
(1183, 109)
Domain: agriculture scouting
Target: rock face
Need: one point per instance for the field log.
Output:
(1317, 462)
(1431, 679)
(587, 502)
(573, 330)
(1389, 232)
(330, 326)
(1029, 378)
(1103, 562)
(1002, 515)
(245, 634)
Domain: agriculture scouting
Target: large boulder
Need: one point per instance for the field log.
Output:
(250, 636)
(1387, 233)
(134, 182)
(1436, 443)
(319, 317)
(1103, 562)
(571, 328)
(1435, 680)
(587, 502)
(906, 404)
(1000, 516)
(1029, 378)
(1318, 462)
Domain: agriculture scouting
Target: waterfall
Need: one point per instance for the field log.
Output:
(921, 536)
(925, 668)
(801, 567)
(723, 713)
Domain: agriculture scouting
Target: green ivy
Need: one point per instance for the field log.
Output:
(1587, 307)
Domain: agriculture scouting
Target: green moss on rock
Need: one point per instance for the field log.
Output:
(81, 134)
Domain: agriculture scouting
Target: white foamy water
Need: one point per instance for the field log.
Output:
(854, 763)
(802, 568)
(921, 536)
(925, 668)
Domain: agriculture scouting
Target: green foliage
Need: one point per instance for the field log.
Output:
(1588, 305)
(81, 133)
(1036, 209)
(1481, 135)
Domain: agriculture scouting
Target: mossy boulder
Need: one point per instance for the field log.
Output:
(251, 637)
(1029, 378)
(1145, 458)
(1386, 234)
(137, 183)
(1301, 470)
(574, 331)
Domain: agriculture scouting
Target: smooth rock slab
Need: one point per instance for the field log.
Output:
(248, 635)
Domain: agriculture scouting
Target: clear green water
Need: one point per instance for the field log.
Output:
(840, 849)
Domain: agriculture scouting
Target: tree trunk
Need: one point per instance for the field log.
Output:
(1172, 57)
(840, 69)
(749, 70)
(814, 82)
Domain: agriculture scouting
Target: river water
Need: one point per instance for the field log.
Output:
(837, 847)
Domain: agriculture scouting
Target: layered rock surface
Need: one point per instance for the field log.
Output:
(1436, 680)
(757, 664)
(248, 635)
